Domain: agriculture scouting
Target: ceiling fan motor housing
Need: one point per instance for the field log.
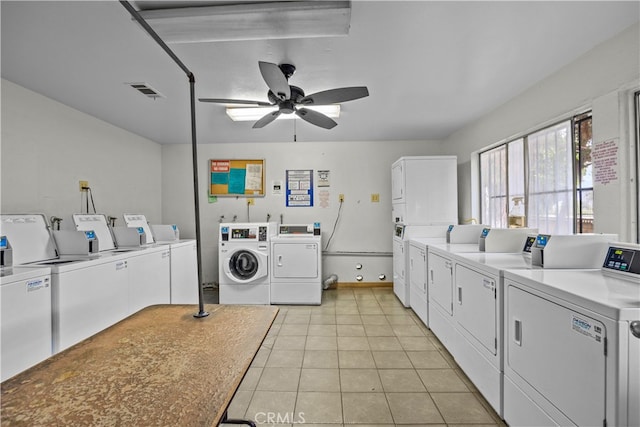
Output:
(287, 70)
(296, 95)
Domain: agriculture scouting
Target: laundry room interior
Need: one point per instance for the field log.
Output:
(386, 266)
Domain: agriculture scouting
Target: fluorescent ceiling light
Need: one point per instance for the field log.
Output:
(250, 21)
(247, 114)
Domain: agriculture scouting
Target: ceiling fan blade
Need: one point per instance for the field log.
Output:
(316, 118)
(266, 119)
(235, 101)
(275, 79)
(335, 96)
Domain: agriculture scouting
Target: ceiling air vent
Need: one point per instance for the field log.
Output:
(146, 90)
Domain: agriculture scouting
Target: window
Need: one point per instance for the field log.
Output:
(550, 202)
(502, 180)
(583, 143)
(534, 176)
(493, 180)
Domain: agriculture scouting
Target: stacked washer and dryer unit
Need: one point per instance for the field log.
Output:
(267, 263)
(424, 192)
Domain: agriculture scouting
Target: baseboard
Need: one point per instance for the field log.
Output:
(346, 285)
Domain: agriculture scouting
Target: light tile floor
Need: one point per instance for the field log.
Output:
(360, 358)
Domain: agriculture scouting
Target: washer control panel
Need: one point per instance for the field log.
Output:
(623, 259)
(258, 233)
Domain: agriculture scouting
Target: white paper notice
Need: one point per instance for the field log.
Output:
(605, 162)
(253, 180)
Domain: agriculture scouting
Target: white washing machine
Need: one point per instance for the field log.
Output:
(88, 293)
(572, 344)
(296, 265)
(243, 256)
(25, 317)
(92, 292)
(183, 257)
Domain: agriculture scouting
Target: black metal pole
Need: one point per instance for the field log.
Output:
(194, 145)
(196, 197)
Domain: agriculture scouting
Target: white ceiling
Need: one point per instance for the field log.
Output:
(431, 67)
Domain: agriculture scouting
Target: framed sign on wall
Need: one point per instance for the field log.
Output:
(299, 188)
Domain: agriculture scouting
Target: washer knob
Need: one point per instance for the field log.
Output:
(635, 328)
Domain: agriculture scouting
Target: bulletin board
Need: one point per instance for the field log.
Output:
(236, 177)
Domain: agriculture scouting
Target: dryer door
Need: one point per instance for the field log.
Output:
(245, 266)
(293, 260)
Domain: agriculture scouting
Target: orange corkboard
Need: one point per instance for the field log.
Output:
(236, 177)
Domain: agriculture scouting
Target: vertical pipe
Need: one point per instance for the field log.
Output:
(192, 81)
(196, 197)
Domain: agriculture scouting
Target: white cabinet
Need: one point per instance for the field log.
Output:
(424, 190)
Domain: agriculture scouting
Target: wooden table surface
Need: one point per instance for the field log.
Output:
(160, 366)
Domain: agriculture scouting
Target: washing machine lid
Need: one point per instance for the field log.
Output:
(245, 265)
(139, 220)
(97, 223)
(30, 237)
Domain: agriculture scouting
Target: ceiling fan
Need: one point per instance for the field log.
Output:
(291, 99)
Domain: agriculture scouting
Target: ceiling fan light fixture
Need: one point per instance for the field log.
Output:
(250, 21)
(249, 114)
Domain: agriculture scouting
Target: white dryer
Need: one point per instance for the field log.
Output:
(296, 265)
(243, 256)
(401, 268)
(572, 343)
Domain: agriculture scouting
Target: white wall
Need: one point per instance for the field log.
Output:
(358, 169)
(601, 79)
(48, 147)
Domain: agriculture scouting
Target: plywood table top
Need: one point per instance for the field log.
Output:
(160, 366)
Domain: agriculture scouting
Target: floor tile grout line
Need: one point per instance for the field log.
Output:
(425, 335)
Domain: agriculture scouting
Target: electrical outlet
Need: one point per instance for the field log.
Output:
(251, 201)
(375, 198)
(341, 197)
(84, 185)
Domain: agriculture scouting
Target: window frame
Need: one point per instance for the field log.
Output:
(571, 123)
